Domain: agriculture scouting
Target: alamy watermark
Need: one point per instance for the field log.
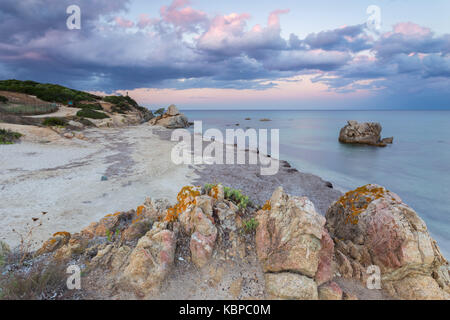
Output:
(374, 21)
(73, 22)
(74, 280)
(374, 280)
(236, 148)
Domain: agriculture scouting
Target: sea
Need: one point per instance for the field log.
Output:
(416, 166)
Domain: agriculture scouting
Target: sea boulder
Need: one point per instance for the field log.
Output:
(172, 119)
(363, 133)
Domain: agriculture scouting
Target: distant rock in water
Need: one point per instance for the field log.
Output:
(363, 133)
(172, 119)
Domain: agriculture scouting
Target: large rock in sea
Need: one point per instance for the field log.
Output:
(172, 119)
(363, 133)
(371, 226)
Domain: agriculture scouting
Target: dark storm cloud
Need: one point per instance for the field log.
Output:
(186, 48)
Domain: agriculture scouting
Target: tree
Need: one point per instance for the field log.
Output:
(159, 111)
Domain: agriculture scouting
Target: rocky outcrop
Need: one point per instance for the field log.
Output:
(363, 133)
(294, 253)
(172, 119)
(330, 291)
(289, 245)
(151, 261)
(290, 286)
(371, 226)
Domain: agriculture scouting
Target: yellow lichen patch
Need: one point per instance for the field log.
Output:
(267, 206)
(215, 192)
(62, 233)
(139, 210)
(186, 198)
(356, 201)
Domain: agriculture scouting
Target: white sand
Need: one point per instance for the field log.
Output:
(64, 179)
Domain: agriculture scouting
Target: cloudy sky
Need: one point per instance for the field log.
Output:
(285, 54)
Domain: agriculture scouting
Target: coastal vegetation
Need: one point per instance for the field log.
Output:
(8, 136)
(47, 92)
(3, 99)
(250, 225)
(159, 112)
(54, 122)
(41, 282)
(91, 114)
(234, 195)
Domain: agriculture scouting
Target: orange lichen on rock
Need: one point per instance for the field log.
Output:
(186, 198)
(214, 193)
(356, 201)
(267, 206)
(65, 234)
(139, 212)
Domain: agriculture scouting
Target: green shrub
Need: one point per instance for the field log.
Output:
(160, 111)
(91, 114)
(54, 122)
(237, 197)
(3, 99)
(8, 136)
(250, 225)
(231, 194)
(121, 108)
(46, 91)
(121, 100)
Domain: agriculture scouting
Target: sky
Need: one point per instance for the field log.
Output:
(203, 54)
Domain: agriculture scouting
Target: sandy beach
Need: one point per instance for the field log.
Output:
(64, 178)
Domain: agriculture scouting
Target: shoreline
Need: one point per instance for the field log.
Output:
(63, 178)
(258, 187)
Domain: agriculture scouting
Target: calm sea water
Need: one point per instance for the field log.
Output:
(416, 166)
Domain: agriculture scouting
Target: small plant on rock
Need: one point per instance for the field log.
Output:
(159, 112)
(8, 136)
(250, 225)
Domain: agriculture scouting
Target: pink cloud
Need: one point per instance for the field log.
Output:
(124, 23)
(230, 34)
(182, 16)
(411, 29)
(274, 18)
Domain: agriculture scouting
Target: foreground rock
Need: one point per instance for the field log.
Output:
(289, 246)
(151, 261)
(206, 246)
(371, 226)
(363, 133)
(172, 119)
